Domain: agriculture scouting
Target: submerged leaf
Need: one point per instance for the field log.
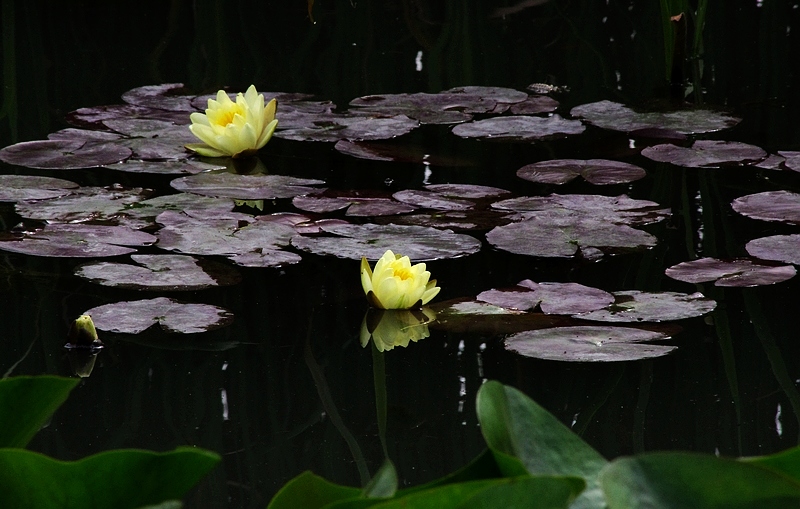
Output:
(133, 317)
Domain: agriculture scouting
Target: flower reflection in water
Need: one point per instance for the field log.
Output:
(395, 327)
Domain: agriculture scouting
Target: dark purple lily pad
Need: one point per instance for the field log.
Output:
(178, 167)
(356, 205)
(706, 154)
(94, 117)
(133, 317)
(783, 206)
(534, 105)
(636, 306)
(78, 241)
(617, 117)
(26, 187)
(72, 134)
(617, 209)
(563, 234)
(143, 214)
(399, 153)
(791, 159)
(63, 155)
(161, 272)
(83, 204)
(468, 191)
(588, 344)
(519, 128)
(595, 171)
(738, 273)
(431, 200)
(372, 240)
(333, 127)
(245, 187)
(472, 219)
(159, 96)
(257, 242)
(551, 298)
(780, 248)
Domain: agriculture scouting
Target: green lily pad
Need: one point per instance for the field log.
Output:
(738, 273)
(519, 128)
(15, 188)
(245, 187)
(636, 306)
(371, 241)
(588, 344)
(133, 317)
(617, 117)
(706, 154)
(160, 272)
(594, 171)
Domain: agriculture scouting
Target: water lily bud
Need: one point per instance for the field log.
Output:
(234, 129)
(396, 284)
(82, 334)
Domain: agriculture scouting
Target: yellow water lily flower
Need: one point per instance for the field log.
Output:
(396, 284)
(395, 327)
(234, 128)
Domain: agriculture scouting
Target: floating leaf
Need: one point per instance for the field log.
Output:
(636, 306)
(534, 104)
(400, 153)
(781, 248)
(143, 213)
(78, 241)
(617, 117)
(133, 317)
(332, 127)
(83, 204)
(469, 191)
(179, 167)
(790, 159)
(63, 155)
(552, 298)
(431, 200)
(770, 206)
(616, 209)
(455, 219)
(158, 96)
(471, 316)
(588, 344)
(356, 205)
(518, 128)
(254, 243)
(71, 134)
(245, 187)
(740, 273)
(706, 154)
(372, 240)
(27, 187)
(160, 272)
(94, 117)
(562, 235)
(595, 171)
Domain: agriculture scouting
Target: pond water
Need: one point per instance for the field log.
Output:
(287, 386)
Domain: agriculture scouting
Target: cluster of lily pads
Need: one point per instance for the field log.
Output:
(200, 219)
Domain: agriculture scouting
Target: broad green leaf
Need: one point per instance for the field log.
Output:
(119, 479)
(679, 480)
(786, 462)
(482, 467)
(311, 491)
(26, 402)
(514, 425)
(169, 504)
(384, 483)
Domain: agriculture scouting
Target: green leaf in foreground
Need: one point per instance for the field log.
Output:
(786, 462)
(678, 480)
(119, 479)
(311, 491)
(26, 402)
(515, 426)
(384, 483)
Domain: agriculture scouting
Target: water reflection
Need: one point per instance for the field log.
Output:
(395, 327)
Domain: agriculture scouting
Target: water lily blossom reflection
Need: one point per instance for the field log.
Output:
(231, 128)
(396, 284)
(395, 327)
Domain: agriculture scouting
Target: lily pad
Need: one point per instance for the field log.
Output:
(636, 306)
(94, 117)
(739, 273)
(72, 134)
(472, 219)
(178, 167)
(254, 243)
(371, 241)
(375, 151)
(245, 187)
(617, 209)
(431, 200)
(356, 204)
(470, 316)
(791, 159)
(143, 214)
(563, 235)
(617, 117)
(534, 104)
(595, 171)
(334, 127)
(783, 206)
(519, 128)
(588, 344)
(781, 248)
(133, 317)
(160, 272)
(159, 96)
(83, 204)
(551, 298)
(63, 155)
(26, 187)
(706, 154)
(78, 241)
(469, 191)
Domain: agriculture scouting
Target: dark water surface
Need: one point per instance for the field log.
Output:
(279, 391)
